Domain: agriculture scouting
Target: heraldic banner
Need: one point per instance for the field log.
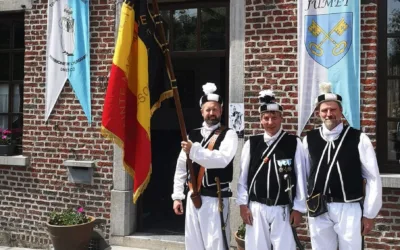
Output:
(329, 51)
(138, 83)
(68, 52)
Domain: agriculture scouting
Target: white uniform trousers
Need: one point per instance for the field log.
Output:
(203, 225)
(270, 227)
(342, 223)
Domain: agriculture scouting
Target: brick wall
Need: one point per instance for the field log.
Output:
(270, 58)
(29, 194)
(270, 62)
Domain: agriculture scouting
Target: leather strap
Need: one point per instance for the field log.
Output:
(202, 170)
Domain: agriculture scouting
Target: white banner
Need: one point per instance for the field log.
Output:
(329, 51)
(67, 55)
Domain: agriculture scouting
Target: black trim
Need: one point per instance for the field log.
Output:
(322, 98)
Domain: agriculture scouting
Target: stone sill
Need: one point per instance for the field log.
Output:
(80, 171)
(15, 5)
(15, 160)
(390, 180)
(81, 164)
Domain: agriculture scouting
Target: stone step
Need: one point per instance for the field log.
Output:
(126, 248)
(14, 248)
(149, 241)
(152, 242)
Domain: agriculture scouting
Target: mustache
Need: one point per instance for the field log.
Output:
(212, 117)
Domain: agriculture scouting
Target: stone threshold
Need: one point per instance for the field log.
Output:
(150, 241)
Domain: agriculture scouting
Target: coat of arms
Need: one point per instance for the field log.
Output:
(328, 37)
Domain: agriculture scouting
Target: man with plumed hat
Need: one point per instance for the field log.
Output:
(203, 226)
(267, 161)
(340, 208)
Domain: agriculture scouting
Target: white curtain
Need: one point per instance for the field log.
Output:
(3, 105)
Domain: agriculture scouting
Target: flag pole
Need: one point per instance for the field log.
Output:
(195, 196)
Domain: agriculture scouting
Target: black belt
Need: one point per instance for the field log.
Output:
(268, 202)
(213, 193)
(330, 199)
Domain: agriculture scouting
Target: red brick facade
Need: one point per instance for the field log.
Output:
(29, 194)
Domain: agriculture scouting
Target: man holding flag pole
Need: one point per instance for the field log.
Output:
(212, 149)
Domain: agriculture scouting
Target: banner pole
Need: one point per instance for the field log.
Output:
(195, 196)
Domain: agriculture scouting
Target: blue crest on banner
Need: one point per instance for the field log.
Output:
(328, 37)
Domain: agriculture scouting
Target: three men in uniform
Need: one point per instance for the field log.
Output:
(280, 178)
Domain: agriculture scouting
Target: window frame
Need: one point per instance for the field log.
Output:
(385, 165)
(11, 19)
(197, 5)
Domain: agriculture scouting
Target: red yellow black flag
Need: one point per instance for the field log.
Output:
(138, 83)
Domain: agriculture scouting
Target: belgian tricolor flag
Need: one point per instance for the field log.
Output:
(138, 83)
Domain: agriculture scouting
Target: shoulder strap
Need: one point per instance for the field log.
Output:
(210, 146)
(265, 158)
(272, 147)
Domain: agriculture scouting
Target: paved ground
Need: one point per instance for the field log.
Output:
(112, 248)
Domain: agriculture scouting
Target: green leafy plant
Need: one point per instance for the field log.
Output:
(69, 217)
(241, 232)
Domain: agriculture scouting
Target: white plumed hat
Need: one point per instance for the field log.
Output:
(326, 94)
(268, 102)
(209, 88)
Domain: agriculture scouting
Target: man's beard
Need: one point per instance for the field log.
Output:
(331, 123)
(211, 121)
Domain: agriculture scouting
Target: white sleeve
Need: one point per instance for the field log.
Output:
(307, 157)
(242, 189)
(299, 202)
(216, 158)
(180, 177)
(370, 171)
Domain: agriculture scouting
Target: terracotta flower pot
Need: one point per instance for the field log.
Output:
(240, 242)
(75, 237)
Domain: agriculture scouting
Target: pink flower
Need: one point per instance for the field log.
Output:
(80, 210)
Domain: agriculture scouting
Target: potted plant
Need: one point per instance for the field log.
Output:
(6, 147)
(240, 236)
(70, 229)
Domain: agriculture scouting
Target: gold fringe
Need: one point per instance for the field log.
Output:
(163, 96)
(142, 187)
(109, 135)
